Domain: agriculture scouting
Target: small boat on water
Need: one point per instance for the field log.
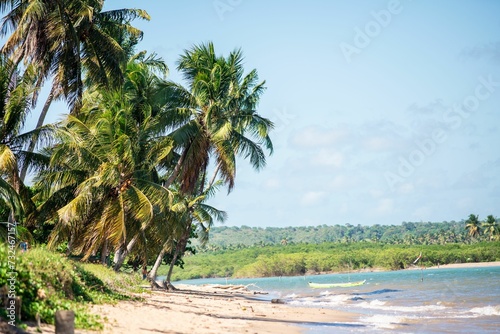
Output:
(335, 285)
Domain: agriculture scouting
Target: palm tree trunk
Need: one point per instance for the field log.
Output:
(176, 171)
(104, 252)
(121, 253)
(41, 119)
(156, 266)
(168, 284)
(179, 249)
(16, 185)
(70, 243)
(213, 177)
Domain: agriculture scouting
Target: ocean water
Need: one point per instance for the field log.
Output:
(464, 300)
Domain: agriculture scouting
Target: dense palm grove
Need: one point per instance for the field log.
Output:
(127, 174)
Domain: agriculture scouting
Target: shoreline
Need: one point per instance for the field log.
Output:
(466, 265)
(214, 309)
(207, 309)
(413, 267)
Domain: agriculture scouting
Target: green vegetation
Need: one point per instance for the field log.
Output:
(408, 233)
(299, 259)
(127, 173)
(46, 282)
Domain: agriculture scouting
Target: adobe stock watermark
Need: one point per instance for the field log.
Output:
(283, 119)
(223, 6)
(12, 306)
(371, 30)
(453, 118)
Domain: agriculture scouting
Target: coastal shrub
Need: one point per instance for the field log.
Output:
(317, 263)
(43, 281)
(47, 282)
(275, 265)
(323, 262)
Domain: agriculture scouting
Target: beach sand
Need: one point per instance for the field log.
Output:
(207, 309)
(212, 309)
(467, 265)
(216, 309)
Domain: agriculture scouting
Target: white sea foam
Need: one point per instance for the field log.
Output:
(486, 310)
(381, 305)
(326, 301)
(377, 303)
(383, 321)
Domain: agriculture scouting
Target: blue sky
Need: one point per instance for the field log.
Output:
(385, 111)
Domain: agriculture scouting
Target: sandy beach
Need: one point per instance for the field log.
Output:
(209, 309)
(467, 265)
(216, 309)
(206, 309)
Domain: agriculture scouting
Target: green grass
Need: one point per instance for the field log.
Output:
(48, 281)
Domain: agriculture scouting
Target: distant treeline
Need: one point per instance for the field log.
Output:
(408, 233)
(300, 259)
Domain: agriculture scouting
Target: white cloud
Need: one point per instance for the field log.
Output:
(272, 183)
(376, 193)
(384, 206)
(489, 51)
(328, 158)
(316, 137)
(430, 108)
(406, 188)
(422, 213)
(311, 198)
(342, 181)
(378, 143)
(465, 203)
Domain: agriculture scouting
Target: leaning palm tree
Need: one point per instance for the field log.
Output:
(473, 225)
(490, 226)
(66, 40)
(213, 120)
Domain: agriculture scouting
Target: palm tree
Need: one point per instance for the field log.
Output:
(10, 197)
(490, 226)
(473, 225)
(214, 119)
(16, 91)
(65, 40)
(223, 123)
(113, 180)
(108, 156)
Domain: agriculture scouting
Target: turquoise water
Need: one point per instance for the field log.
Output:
(465, 300)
